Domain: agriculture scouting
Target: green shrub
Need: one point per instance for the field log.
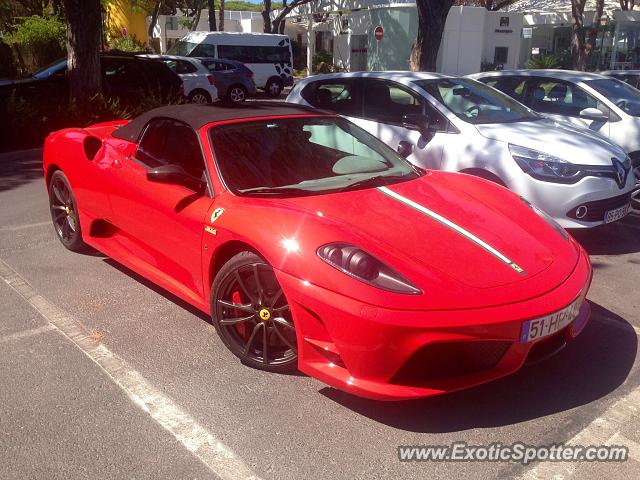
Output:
(39, 31)
(323, 62)
(544, 62)
(36, 42)
(126, 44)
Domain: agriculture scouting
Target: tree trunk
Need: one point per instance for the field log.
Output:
(432, 16)
(196, 14)
(221, 16)
(211, 4)
(578, 41)
(266, 16)
(84, 20)
(627, 4)
(154, 21)
(595, 28)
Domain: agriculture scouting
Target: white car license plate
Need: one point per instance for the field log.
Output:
(550, 324)
(616, 213)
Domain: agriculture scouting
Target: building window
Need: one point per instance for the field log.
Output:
(500, 55)
(171, 23)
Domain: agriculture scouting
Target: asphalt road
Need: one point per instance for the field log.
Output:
(64, 413)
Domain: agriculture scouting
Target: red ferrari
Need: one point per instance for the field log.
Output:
(315, 246)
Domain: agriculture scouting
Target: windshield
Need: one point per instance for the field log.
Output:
(50, 69)
(303, 156)
(475, 102)
(622, 95)
(182, 49)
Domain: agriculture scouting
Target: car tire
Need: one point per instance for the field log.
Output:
(260, 330)
(199, 97)
(64, 212)
(236, 94)
(274, 87)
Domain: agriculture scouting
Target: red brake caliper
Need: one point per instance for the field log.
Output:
(240, 327)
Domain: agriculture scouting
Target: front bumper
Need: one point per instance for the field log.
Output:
(370, 351)
(561, 200)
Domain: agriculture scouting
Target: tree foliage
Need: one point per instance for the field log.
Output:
(491, 5)
(38, 31)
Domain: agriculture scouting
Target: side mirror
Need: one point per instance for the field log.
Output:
(176, 175)
(594, 114)
(420, 123)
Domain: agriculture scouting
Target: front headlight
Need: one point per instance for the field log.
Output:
(362, 266)
(547, 218)
(543, 166)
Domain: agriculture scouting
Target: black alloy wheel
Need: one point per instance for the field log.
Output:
(252, 315)
(64, 212)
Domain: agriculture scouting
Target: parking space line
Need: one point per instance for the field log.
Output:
(600, 431)
(194, 437)
(634, 447)
(15, 228)
(26, 333)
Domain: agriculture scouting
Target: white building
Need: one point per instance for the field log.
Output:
(474, 39)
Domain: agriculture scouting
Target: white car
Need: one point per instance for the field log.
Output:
(199, 85)
(460, 125)
(267, 55)
(589, 100)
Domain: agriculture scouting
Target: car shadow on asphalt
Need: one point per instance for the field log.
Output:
(176, 300)
(618, 238)
(589, 368)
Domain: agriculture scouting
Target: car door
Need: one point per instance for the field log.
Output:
(563, 101)
(384, 105)
(222, 75)
(162, 223)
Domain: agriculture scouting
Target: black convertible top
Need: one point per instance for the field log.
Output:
(197, 116)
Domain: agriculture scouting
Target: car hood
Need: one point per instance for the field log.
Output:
(573, 144)
(479, 245)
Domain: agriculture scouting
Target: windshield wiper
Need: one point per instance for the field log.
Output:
(371, 182)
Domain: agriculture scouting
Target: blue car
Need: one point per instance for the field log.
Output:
(234, 80)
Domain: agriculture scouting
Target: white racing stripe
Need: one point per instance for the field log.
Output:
(457, 228)
(194, 437)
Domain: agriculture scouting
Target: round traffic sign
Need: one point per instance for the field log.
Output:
(378, 33)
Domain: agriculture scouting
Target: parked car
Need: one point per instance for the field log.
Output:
(315, 246)
(198, 83)
(125, 77)
(460, 125)
(267, 55)
(632, 77)
(234, 80)
(588, 100)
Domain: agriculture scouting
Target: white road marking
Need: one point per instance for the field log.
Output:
(15, 228)
(194, 437)
(634, 447)
(601, 431)
(26, 333)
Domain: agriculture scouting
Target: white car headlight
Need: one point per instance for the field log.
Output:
(543, 166)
